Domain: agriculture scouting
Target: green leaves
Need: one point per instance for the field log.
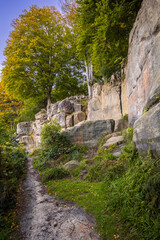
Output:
(39, 52)
(103, 29)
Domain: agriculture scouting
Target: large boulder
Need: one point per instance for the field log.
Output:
(121, 124)
(143, 68)
(65, 106)
(69, 121)
(24, 128)
(52, 109)
(147, 131)
(61, 119)
(41, 116)
(79, 117)
(88, 132)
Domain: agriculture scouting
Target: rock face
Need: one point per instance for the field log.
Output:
(89, 132)
(106, 102)
(29, 132)
(147, 131)
(143, 68)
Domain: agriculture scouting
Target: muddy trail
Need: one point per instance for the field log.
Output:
(44, 218)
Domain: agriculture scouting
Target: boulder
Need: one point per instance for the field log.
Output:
(117, 151)
(79, 117)
(24, 128)
(41, 116)
(121, 124)
(113, 140)
(69, 121)
(88, 132)
(65, 106)
(71, 165)
(147, 131)
(52, 109)
(61, 119)
(77, 107)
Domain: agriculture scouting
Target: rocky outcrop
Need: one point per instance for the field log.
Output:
(143, 68)
(88, 132)
(143, 78)
(147, 131)
(65, 112)
(105, 102)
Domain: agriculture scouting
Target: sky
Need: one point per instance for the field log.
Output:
(10, 10)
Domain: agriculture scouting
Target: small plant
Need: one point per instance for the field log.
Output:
(125, 116)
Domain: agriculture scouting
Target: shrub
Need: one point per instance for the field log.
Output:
(53, 143)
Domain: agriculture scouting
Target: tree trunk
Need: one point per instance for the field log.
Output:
(49, 97)
(89, 74)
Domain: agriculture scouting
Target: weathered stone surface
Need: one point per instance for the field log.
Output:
(65, 106)
(24, 128)
(121, 124)
(69, 121)
(113, 140)
(79, 117)
(42, 115)
(77, 107)
(105, 104)
(124, 97)
(147, 131)
(143, 68)
(88, 132)
(71, 165)
(61, 119)
(52, 109)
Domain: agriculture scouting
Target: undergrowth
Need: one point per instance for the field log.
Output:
(12, 169)
(122, 193)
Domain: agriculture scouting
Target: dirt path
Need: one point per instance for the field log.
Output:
(45, 218)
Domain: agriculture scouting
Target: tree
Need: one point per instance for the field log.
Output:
(37, 54)
(9, 109)
(103, 29)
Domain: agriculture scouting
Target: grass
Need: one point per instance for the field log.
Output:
(121, 193)
(89, 195)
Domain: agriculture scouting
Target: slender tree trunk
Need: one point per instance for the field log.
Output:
(89, 74)
(49, 97)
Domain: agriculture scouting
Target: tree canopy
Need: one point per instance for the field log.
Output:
(103, 28)
(38, 54)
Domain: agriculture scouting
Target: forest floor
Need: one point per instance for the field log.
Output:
(42, 217)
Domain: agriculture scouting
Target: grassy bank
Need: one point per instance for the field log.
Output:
(122, 193)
